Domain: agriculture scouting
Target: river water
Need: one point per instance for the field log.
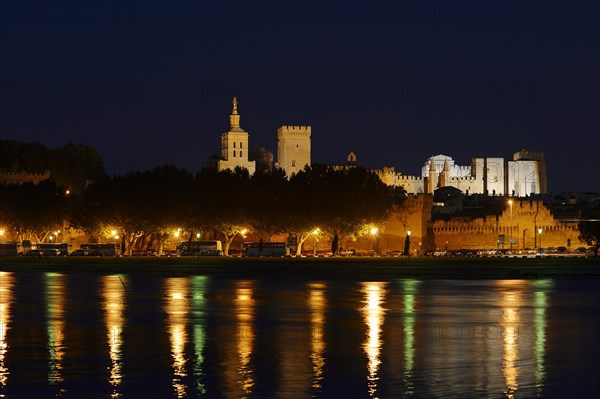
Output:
(152, 336)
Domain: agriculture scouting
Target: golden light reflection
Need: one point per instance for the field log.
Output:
(374, 314)
(318, 304)
(244, 309)
(177, 308)
(113, 295)
(6, 299)
(540, 302)
(511, 300)
(409, 288)
(55, 312)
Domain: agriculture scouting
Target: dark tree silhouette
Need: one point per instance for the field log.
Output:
(589, 232)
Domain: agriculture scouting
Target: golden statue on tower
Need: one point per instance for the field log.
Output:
(235, 102)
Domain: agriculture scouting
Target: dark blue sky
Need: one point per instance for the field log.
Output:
(151, 82)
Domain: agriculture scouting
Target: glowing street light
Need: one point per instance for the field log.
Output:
(407, 243)
(374, 230)
(198, 235)
(316, 233)
(2, 232)
(540, 233)
(510, 202)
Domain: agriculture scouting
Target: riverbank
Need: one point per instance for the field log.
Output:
(346, 267)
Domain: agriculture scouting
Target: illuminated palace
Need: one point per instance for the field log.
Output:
(521, 177)
(293, 148)
(514, 223)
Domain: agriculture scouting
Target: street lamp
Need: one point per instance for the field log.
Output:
(315, 234)
(540, 233)
(407, 244)
(374, 231)
(510, 202)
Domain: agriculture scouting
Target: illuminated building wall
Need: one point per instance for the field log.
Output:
(521, 177)
(293, 148)
(522, 224)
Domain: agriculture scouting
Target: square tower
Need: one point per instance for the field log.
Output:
(293, 148)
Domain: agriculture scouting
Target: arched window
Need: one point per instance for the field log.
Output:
(234, 153)
(241, 154)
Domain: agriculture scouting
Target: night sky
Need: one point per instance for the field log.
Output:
(151, 82)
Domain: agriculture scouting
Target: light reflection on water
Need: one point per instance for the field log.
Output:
(177, 309)
(6, 298)
(374, 314)
(244, 310)
(55, 315)
(254, 338)
(317, 303)
(113, 295)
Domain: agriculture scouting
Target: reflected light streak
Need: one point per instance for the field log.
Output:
(177, 309)
(317, 303)
(409, 287)
(374, 315)
(511, 301)
(244, 309)
(199, 287)
(113, 295)
(540, 305)
(55, 309)
(6, 298)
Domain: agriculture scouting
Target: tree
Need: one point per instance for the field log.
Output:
(334, 245)
(33, 212)
(589, 232)
(339, 202)
(228, 204)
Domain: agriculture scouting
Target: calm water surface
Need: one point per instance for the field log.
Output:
(140, 336)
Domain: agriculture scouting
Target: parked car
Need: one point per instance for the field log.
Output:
(580, 250)
(35, 252)
(51, 252)
(80, 252)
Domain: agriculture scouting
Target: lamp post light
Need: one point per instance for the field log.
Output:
(315, 234)
(510, 202)
(374, 231)
(540, 233)
(407, 244)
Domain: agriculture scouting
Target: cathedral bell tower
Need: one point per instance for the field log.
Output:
(234, 144)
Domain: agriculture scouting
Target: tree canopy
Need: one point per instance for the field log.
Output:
(146, 207)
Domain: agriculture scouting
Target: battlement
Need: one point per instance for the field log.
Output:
(409, 178)
(469, 179)
(294, 130)
(23, 177)
(525, 154)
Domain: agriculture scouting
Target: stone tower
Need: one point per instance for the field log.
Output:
(234, 145)
(293, 148)
(445, 176)
(432, 178)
